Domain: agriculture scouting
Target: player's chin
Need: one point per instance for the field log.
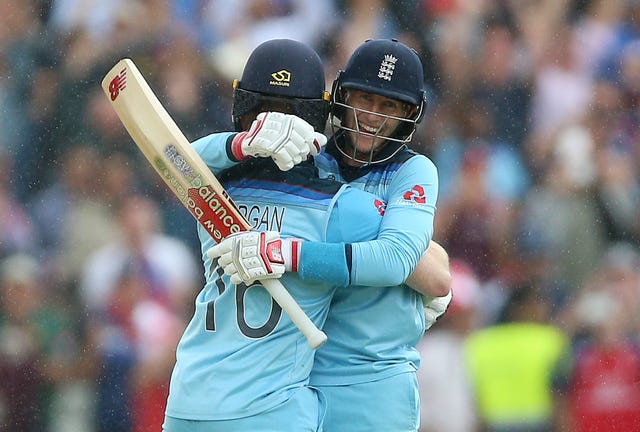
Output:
(369, 145)
(363, 143)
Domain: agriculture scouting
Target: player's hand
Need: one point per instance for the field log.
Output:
(434, 307)
(285, 138)
(252, 255)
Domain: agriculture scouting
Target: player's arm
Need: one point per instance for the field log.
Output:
(406, 229)
(405, 233)
(432, 275)
(354, 216)
(213, 151)
(432, 278)
(386, 261)
(285, 138)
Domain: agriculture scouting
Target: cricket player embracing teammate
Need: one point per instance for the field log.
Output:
(376, 319)
(241, 364)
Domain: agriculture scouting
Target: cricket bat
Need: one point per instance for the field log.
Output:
(171, 154)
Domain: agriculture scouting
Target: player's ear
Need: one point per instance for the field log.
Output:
(410, 110)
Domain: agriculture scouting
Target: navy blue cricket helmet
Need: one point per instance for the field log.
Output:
(388, 68)
(282, 71)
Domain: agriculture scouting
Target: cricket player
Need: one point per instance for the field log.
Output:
(241, 364)
(370, 358)
(388, 260)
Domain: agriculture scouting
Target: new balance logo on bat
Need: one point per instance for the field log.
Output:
(117, 84)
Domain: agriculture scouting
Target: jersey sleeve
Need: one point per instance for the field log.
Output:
(404, 235)
(406, 229)
(215, 150)
(355, 216)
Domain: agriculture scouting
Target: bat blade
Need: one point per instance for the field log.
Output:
(170, 153)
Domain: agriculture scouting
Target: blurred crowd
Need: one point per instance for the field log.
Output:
(533, 123)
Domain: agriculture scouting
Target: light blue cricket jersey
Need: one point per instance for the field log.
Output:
(407, 225)
(240, 355)
(373, 330)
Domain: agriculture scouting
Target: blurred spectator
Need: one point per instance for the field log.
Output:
(539, 24)
(23, 385)
(96, 17)
(28, 92)
(513, 365)
(560, 217)
(595, 33)
(533, 120)
(138, 290)
(43, 370)
(443, 380)
(239, 26)
(157, 330)
(451, 30)
(67, 213)
(503, 84)
(17, 233)
(562, 90)
(603, 387)
(141, 246)
(192, 89)
(626, 31)
(84, 25)
(98, 126)
(481, 183)
(617, 187)
(74, 182)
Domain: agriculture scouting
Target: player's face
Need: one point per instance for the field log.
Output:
(374, 117)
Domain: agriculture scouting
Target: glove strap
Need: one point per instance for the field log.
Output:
(239, 139)
(236, 146)
(291, 249)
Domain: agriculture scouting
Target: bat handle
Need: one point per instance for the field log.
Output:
(315, 336)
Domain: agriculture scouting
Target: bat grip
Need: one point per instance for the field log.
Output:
(315, 336)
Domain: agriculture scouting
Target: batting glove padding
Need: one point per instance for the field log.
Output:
(285, 138)
(252, 255)
(434, 307)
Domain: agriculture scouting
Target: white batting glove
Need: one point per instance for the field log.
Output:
(434, 307)
(250, 256)
(285, 138)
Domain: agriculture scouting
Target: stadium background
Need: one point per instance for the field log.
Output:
(533, 122)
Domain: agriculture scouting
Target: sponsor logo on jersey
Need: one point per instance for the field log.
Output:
(380, 205)
(281, 78)
(415, 195)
